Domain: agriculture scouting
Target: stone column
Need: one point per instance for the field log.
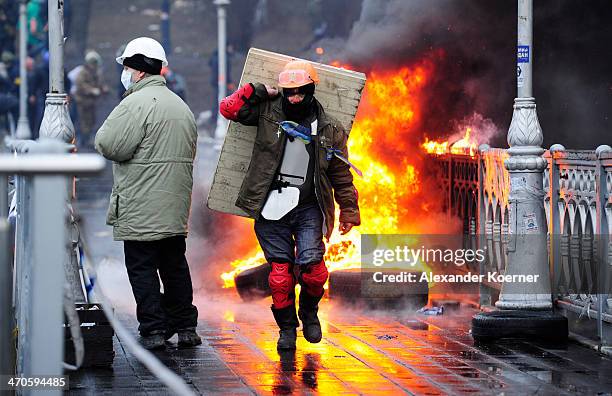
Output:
(56, 122)
(527, 248)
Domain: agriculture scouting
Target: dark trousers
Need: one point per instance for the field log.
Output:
(156, 311)
(296, 238)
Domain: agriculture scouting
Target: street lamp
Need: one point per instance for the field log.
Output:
(23, 126)
(222, 67)
(56, 122)
(165, 26)
(527, 249)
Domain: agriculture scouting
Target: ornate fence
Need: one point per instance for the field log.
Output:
(578, 205)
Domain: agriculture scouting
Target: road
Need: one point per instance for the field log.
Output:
(361, 353)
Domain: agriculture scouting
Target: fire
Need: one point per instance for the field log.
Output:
(255, 258)
(319, 50)
(467, 145)
(497, 178)
(382, 144)
(433, 147)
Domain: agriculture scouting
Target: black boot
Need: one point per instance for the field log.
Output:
(287, 321)
(188, 337)
(153, 340)
(309, 306)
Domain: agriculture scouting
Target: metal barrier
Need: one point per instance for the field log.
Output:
(578, 203)
(6, 285)
(578, 211)
(40, 251)
(43, 266)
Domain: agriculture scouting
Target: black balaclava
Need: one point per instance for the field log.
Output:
(300, 111)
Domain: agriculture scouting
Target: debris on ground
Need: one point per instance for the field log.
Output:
(386, 337)
(433, 311)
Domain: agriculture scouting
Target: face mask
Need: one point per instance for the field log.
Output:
(126, 78)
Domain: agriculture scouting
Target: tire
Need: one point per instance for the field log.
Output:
(356, 287)
(541, 325)
(252, 284)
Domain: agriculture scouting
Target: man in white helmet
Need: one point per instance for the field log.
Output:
(151, 139)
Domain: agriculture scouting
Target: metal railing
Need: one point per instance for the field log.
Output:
(43, 277)
(578, 205)
(41, 235)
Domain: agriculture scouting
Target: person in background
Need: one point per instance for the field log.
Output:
(9, 14)
(74, 113)
(175, 82)
(38, 86)
(9, 91)
(89, 87)
(151, 139)
(37, 17)
(31, 75)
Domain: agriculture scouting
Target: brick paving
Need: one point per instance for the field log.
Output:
(361, 352)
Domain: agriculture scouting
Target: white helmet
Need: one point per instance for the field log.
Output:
(93, 57)
(145, 46)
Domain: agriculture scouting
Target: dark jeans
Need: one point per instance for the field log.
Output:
(296, 238)
(156, 311)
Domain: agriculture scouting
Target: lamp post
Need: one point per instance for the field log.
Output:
(527, 249)
(222, 67)
(165, 26)
(23, 126)
(56, 122)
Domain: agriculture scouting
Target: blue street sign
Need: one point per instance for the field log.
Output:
(522, 54)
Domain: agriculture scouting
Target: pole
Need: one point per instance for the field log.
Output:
(165, 26)
(47, 279)
(524, 48)
(221, 51)
(23, 126)
(6, 285)
(56, 122)
(527, 246)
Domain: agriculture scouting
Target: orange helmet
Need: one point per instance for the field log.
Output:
(297, 73)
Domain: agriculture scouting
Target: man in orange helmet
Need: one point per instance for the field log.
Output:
(299, 165)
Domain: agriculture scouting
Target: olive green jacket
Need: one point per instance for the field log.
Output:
(333, 178)
(151, 139)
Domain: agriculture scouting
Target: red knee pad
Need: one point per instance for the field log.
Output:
(314, 278)
(282, 284)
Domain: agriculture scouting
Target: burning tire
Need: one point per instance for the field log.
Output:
(546, 326)
(252, 284)
(358, 288)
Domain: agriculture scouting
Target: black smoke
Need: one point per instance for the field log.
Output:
(477, 73)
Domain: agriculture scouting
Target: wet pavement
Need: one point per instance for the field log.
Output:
(362, 352)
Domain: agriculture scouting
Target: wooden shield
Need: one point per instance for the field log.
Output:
(339, 92)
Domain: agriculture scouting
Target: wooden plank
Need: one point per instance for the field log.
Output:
(339, 92)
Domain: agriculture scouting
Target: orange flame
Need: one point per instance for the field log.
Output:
(467, 145)
(389, 190)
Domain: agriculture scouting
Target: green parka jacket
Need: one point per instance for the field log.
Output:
(333, 178)
(151, 139)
